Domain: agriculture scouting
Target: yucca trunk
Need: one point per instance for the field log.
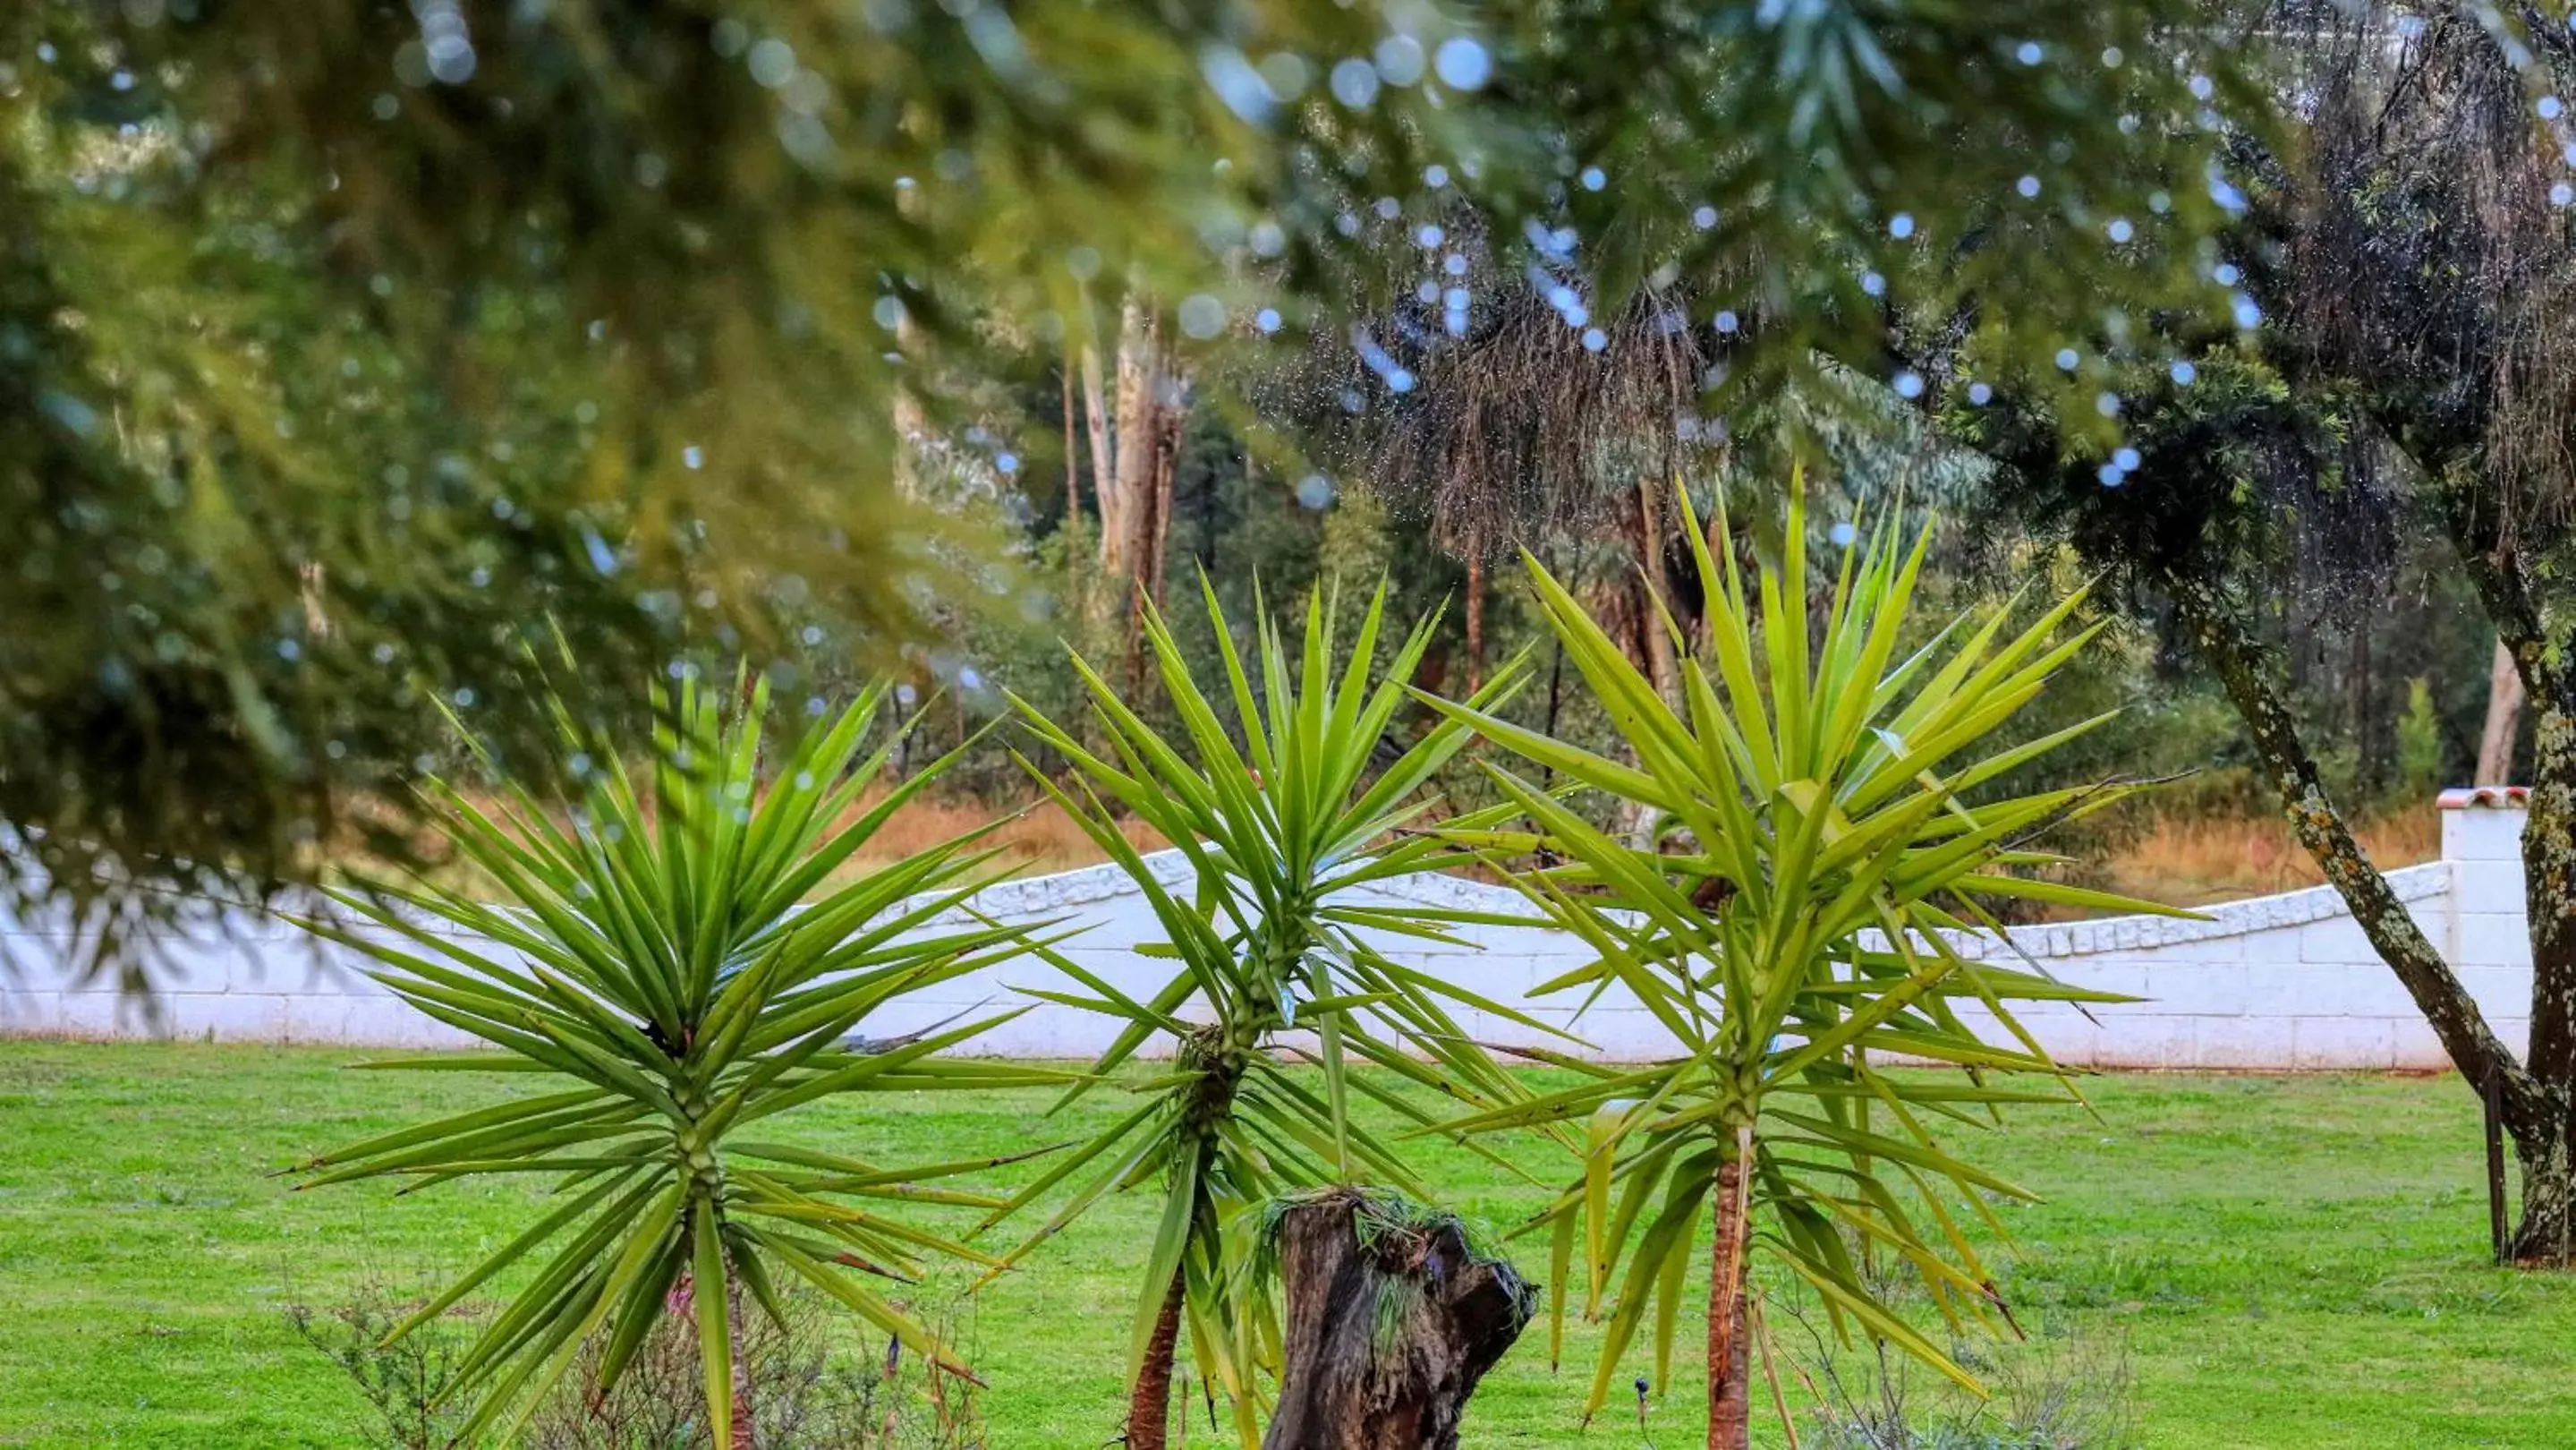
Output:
(745, 1421)
(1730, 1398)
(1149, 1401)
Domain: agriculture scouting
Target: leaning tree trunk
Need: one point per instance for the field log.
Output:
(1350, 1380)
(1730, 1357)
(2535, 1098)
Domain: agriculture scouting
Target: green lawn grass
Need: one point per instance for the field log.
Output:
(2285, 1261)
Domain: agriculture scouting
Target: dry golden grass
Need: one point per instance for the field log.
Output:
(1039, 841)
(2179, 858)
(2198, 860)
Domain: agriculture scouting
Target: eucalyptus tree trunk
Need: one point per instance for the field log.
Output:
(911, 420)
(1151, 392)
(1475, 619)
(1135, 488)
(1073, 525)
(1095, 425)
(1127, 490)
(1352, 1377)
(2504, 717)
(1662, 659)
(1168, 422)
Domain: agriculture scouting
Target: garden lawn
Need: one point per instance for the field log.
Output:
(2283, 1261)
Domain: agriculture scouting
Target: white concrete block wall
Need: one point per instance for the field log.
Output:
(2283, 982)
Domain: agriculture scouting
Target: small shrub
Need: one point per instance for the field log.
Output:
(2048, 1392)
(2419, 743)
(807, 1392)
(401, 1382)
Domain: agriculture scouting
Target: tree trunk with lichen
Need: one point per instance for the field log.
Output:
(2540, 1095)
(2547, 1233)
(1356, 1377)
(2535, 1092)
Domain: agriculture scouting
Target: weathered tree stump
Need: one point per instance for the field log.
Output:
(1392, 1318)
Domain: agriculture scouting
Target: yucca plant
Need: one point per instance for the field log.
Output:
(1280, 811)
(655, 973)
(1826, 829)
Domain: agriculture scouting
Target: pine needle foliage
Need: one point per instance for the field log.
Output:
(340, 342)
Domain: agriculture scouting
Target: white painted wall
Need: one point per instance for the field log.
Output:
(2278, 982)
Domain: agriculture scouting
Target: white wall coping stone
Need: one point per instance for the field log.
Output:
(2131, 934)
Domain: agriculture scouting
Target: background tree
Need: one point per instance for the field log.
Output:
(2415, 259)
(355, 339)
